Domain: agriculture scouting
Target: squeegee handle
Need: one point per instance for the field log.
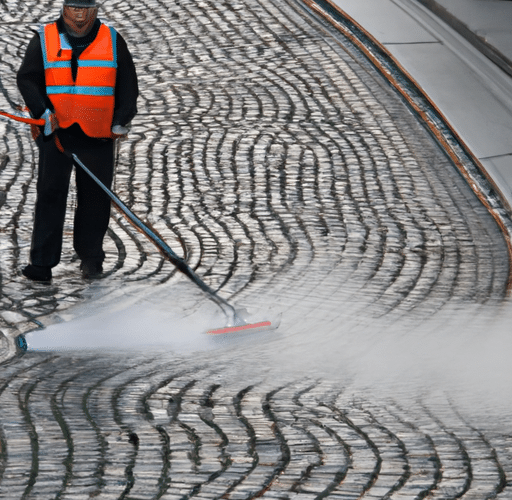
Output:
(180, 264)
(133, 218)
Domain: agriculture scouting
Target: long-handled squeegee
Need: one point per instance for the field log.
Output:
(236, 323)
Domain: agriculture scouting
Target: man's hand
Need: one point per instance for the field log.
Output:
(50, 122)
(119, 131)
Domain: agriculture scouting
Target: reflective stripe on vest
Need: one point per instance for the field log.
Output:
(88, 101)
(75, 90)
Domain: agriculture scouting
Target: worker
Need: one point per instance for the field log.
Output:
(79, 76)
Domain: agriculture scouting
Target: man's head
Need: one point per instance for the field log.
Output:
(79, 16)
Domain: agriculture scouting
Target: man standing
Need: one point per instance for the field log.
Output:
(79, 76)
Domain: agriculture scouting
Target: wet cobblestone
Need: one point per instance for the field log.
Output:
(137, 427)
(275, 158)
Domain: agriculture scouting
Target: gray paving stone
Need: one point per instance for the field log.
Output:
(290, 172)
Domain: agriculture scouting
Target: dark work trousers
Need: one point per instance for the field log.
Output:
(93, 204)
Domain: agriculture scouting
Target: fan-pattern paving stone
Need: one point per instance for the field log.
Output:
(278, 162)
(128, 426)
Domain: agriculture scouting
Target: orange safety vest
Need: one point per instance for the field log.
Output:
(88, 101)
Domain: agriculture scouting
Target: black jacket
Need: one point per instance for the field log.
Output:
(31, 80)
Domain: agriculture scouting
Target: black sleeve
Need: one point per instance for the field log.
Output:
(127, 88)
(30, 79)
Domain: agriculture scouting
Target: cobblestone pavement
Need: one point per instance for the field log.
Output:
(276, 159)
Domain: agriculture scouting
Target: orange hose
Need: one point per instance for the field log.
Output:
(23, 119)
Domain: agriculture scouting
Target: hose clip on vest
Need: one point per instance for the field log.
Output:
(50, 122)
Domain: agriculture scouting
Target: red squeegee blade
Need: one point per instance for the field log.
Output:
(262, 325)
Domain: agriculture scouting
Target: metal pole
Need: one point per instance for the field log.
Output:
(180, 264)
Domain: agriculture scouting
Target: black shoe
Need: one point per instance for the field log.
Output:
(37, 273)
(91, 269)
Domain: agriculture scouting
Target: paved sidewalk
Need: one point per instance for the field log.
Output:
(486, 24)
(295, 181)
(473, 93)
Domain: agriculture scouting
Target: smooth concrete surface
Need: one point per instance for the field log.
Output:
(474, 95)
(473, 109)
(387, 21)
(501, 166)
(490, 20)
